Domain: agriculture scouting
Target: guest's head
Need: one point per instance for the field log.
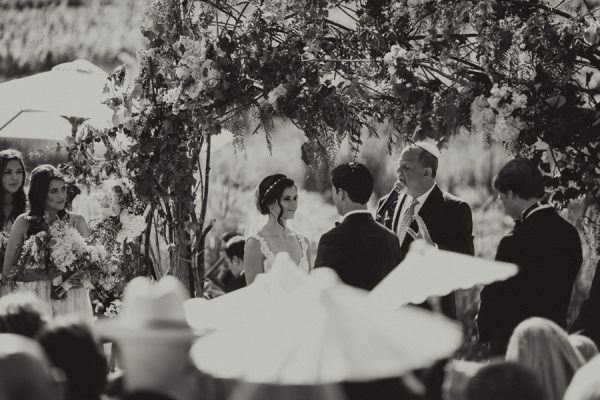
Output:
(145, 395)
(544, 348)
(252, 391)
(586, 382)
(22, 314)
(234, 251)
(152, 334)
(417, 168)
(277, 196)
(504, 381)
(47, 190)
(584, 345)
(352, 186)
(13, 179)
(25, 372)
(71, 346)
(519, 183)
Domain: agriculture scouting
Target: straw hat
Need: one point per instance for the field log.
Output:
(150, 310)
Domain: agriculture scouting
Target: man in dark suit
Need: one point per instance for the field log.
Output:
(418, 209)
(359, 249)
(545, 247)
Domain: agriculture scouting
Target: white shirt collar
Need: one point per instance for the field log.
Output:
(422, 198)
(356, 212)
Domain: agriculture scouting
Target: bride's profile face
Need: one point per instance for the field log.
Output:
(289, 203)
(57, 195)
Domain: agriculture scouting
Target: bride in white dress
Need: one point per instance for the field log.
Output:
(277, 197)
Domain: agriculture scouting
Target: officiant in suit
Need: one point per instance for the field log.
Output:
(545, 247)
(417, 208)
(359, 249)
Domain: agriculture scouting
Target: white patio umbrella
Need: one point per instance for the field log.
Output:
(70, 90)
(427, 271)
(326, 333)
(250, 302)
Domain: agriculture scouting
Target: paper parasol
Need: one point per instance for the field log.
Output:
(326, 333)
(427, 271)
(243, 304)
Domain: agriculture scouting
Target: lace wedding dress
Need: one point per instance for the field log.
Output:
(269, 252)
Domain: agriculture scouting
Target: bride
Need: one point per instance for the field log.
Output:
(47, 197)
(277, 197)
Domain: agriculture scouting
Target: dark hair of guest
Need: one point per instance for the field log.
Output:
(71, 346)
(19, 202)
(22, 314)
(522, 177)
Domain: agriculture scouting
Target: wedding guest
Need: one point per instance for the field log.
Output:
(11, 190)
(153, 341)
(504, 381)
(47, 196)
(25, 372)
(22, 314)
(71, 346)
(545, 247)
(417, 208)
(584, 345)
(234, 251)
(587, 322)
(586, 382)
(359, 249)
(276, 197)
(543, 347)
(253, 391)
(12, 195)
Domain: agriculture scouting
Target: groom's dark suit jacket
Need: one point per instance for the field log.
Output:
(360, 250)
(547, 250)
(448, 221)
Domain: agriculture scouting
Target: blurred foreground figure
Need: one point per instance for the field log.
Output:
(153, 341)
(544, 348)
(504, 381)
(586, 382)
(584, 345)
(25, 372)
(23, 314)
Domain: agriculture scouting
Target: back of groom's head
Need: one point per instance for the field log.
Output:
(356, 179)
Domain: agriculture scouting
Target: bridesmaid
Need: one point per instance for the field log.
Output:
(47, 197)
(11, 193)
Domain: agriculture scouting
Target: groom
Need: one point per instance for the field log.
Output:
(359, 249)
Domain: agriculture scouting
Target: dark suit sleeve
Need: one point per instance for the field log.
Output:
(494, 295)
(464, 230)
(327, 253)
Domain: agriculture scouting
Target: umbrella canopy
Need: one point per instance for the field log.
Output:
(427, 271)
(245, 304)
(326, 333)
(72, 89)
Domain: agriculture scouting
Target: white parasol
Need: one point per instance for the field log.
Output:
(427, 271)
(71, 90)
(326, 333)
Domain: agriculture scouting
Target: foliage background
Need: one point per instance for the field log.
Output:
(107, 33)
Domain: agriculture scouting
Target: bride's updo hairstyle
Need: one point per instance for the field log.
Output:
(41, 176)
(269, 191)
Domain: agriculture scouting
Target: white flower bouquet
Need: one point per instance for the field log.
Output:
(61, 252)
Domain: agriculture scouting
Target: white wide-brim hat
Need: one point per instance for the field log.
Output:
(150, 311)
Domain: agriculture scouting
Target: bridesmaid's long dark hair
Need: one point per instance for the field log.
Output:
(19, 203)
(41, 176)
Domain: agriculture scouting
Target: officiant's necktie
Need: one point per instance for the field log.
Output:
(407, 220)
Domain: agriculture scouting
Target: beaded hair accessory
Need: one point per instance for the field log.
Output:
(234, 240)
(270, 188)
